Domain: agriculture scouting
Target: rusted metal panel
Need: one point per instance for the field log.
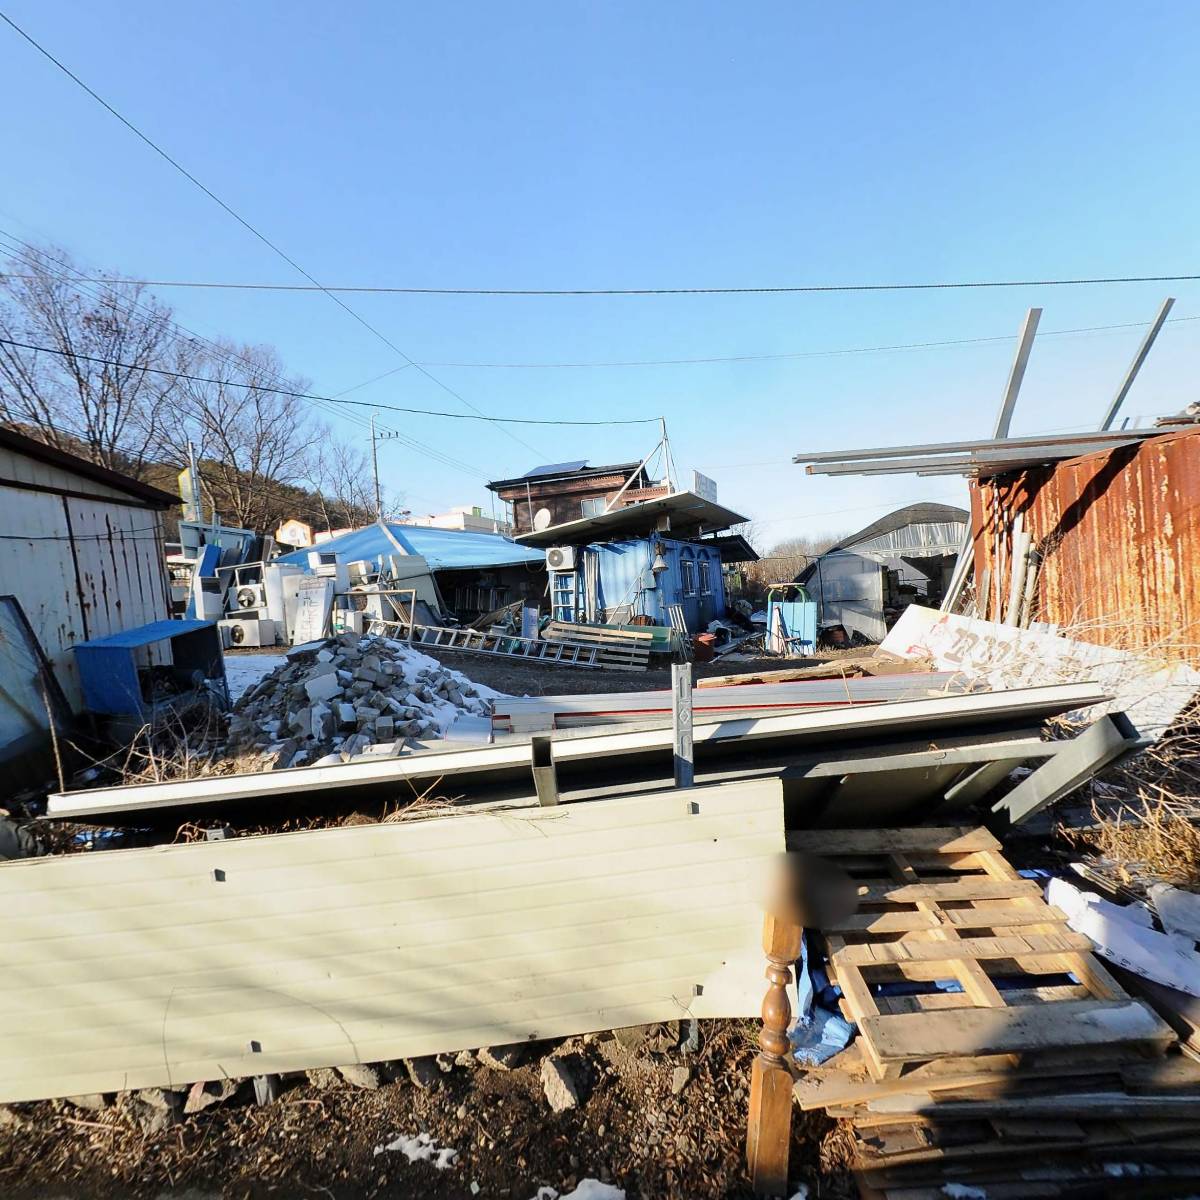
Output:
(80, 568)
(1118, 533)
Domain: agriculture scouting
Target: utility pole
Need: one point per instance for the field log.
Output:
(376, 438)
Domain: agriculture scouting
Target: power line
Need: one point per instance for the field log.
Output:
(733, 358)
(229, 355)
(333, 290)
(266, 241)
(262, 387)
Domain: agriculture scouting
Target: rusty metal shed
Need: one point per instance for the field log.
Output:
(81, 548)
(1118, 535)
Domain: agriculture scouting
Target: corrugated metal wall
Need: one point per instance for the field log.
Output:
(1119, 535)
(625, 577)
(81, 567)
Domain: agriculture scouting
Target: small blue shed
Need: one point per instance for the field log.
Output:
(136, 671)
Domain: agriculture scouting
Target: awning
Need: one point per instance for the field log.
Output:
(689, 516)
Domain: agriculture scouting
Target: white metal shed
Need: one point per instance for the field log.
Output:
(81, 548)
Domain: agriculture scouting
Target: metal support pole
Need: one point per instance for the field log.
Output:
(375, 471)
(681, 723)
(1140, 357)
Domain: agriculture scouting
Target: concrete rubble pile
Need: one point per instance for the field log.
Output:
(347, 699)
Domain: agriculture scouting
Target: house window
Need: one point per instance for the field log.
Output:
(687, 569)
(593, 507)
(705, 577)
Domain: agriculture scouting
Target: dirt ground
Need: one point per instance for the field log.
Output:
(630, 1130)
(516, 678)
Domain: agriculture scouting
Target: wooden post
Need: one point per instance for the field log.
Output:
(770, 1125)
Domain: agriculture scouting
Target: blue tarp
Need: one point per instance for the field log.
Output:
(443, 549)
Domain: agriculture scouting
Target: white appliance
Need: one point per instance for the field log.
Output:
(327, 563)
(560, 558)
(248, 598)
(209, 594)
(250, 632)
(274, 575)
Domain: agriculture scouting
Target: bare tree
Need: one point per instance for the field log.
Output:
(787, 559)
(256, 443)
(89, 391)
(345, 486)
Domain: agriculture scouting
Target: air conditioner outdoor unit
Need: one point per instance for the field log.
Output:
(248, 633)
(560, 558)
(249, 597)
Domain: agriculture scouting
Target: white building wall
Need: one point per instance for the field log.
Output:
(80, 567)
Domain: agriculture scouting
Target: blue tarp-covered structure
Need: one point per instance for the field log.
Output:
(442, 549)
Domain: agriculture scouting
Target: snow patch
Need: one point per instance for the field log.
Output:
(421, 1148)
(588, 1189)
(243, 671)
(963, 1191)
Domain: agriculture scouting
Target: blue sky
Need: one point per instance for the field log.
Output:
(630, 145)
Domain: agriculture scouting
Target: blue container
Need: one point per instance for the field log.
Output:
(793, 633)
(114, 669)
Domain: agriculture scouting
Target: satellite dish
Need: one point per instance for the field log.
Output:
(542, 519)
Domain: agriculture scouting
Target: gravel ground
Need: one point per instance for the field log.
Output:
(631, 1129)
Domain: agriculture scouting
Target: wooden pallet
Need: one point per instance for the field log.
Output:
(627, 649)
(1033, 1079)
(944, 905)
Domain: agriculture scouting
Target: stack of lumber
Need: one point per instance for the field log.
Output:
(994, 1051)
(620, 649)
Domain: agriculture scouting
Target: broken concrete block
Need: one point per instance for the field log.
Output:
(284, 755)
(559, 1085)
(361, 1075)
(502, 1058)
(323, 687)
(300, 722)
(360, 688)
(370, 662)
(680, 1078)
(204, 1095)
(385, 728)
(321, 668)
(347, 717)
(366, 675)
(322, 722)
(323, 1078)
(366, 714)
(325, 656)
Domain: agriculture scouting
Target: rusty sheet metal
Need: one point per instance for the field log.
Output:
(1118, 534)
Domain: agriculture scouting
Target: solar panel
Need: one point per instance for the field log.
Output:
(556, 469)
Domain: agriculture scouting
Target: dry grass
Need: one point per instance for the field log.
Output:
(1143, 842)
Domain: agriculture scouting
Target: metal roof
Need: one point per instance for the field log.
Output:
(146, 635)
(442, 549)
(689, 515)
(32, 448)
(983, 456)
(569, 470)
(924, 513)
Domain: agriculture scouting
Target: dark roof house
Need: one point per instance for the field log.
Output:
(557, 493)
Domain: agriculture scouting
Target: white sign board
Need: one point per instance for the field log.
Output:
(1151, 691)
(704, 487)
(312, 609)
